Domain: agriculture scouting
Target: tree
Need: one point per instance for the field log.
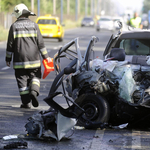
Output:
(146, 6)
(8, 6)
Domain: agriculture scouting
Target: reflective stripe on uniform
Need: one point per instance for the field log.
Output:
(8, 54)
(135, 22)
(24, 90)
(32, 33)
(36, 82)
(30, 64)
(43, 51)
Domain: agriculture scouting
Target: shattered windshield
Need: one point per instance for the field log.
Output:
(135, 46)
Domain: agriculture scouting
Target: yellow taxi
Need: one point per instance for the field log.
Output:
(50, 27)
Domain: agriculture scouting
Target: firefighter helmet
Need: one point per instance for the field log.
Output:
(21, 9)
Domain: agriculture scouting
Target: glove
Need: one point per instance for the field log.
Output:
(49, 59)
(8, 63)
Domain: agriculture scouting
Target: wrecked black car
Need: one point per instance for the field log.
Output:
(105, 92)
(114, 90)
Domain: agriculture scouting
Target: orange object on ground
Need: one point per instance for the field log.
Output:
(48, 67)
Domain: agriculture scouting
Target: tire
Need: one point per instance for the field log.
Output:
(60, 39)
(96, 108)
(98, 30)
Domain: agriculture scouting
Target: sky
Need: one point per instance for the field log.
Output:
(135, 5)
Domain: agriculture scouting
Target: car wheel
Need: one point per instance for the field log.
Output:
(96, 111)
(97, 29)
(60, 39)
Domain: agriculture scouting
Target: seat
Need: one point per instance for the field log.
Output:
(117, 54)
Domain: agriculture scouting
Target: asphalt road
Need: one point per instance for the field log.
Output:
(13, 119)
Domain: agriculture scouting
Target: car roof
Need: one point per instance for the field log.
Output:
(106, 17)
(48, 17)
(117, 18)
(135, 34)
(87, 18)
(127, 34)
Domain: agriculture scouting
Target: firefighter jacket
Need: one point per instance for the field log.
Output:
(25, 44)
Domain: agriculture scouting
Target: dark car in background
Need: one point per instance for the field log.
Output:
(87, 22)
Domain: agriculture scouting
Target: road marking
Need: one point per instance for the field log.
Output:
(136, 140)
(97, 140)
(57, 47)
(5, 68)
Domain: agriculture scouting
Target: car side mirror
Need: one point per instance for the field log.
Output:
(120, 24)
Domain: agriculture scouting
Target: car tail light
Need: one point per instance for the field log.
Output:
(58, 28)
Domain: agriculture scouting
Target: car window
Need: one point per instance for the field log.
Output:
(46, 21)
(105, 19)
(135, 46)
(87, 19)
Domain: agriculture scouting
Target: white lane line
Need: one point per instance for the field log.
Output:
(136, 140)
(97, 140)
(57, 47)
(82, 48)
(5, 68)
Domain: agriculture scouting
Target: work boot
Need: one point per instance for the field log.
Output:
(27, 106)
(33, 96)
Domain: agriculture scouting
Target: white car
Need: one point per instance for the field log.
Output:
(105, 23)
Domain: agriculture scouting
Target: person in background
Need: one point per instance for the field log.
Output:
(128, 19)
(25, 45)
(135, 21)
(144, 22)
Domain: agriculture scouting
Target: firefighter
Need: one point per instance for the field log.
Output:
(25, 45)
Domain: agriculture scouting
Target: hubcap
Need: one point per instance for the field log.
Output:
(91, 111)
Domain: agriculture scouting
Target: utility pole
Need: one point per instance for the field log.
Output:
(86, 8)
(78, 6)
(92, 8)
(68, 7)
(0, 6)
(61, 15)
(32, 5)
(98, 7)
(54, 7)
(76, 10)
(38, 8)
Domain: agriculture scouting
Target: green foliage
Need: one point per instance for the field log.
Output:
(4, 34)
(46, 6)
(146, 6)
(69, 24)
(8, 5)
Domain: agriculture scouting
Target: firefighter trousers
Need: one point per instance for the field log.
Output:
(28, 80)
